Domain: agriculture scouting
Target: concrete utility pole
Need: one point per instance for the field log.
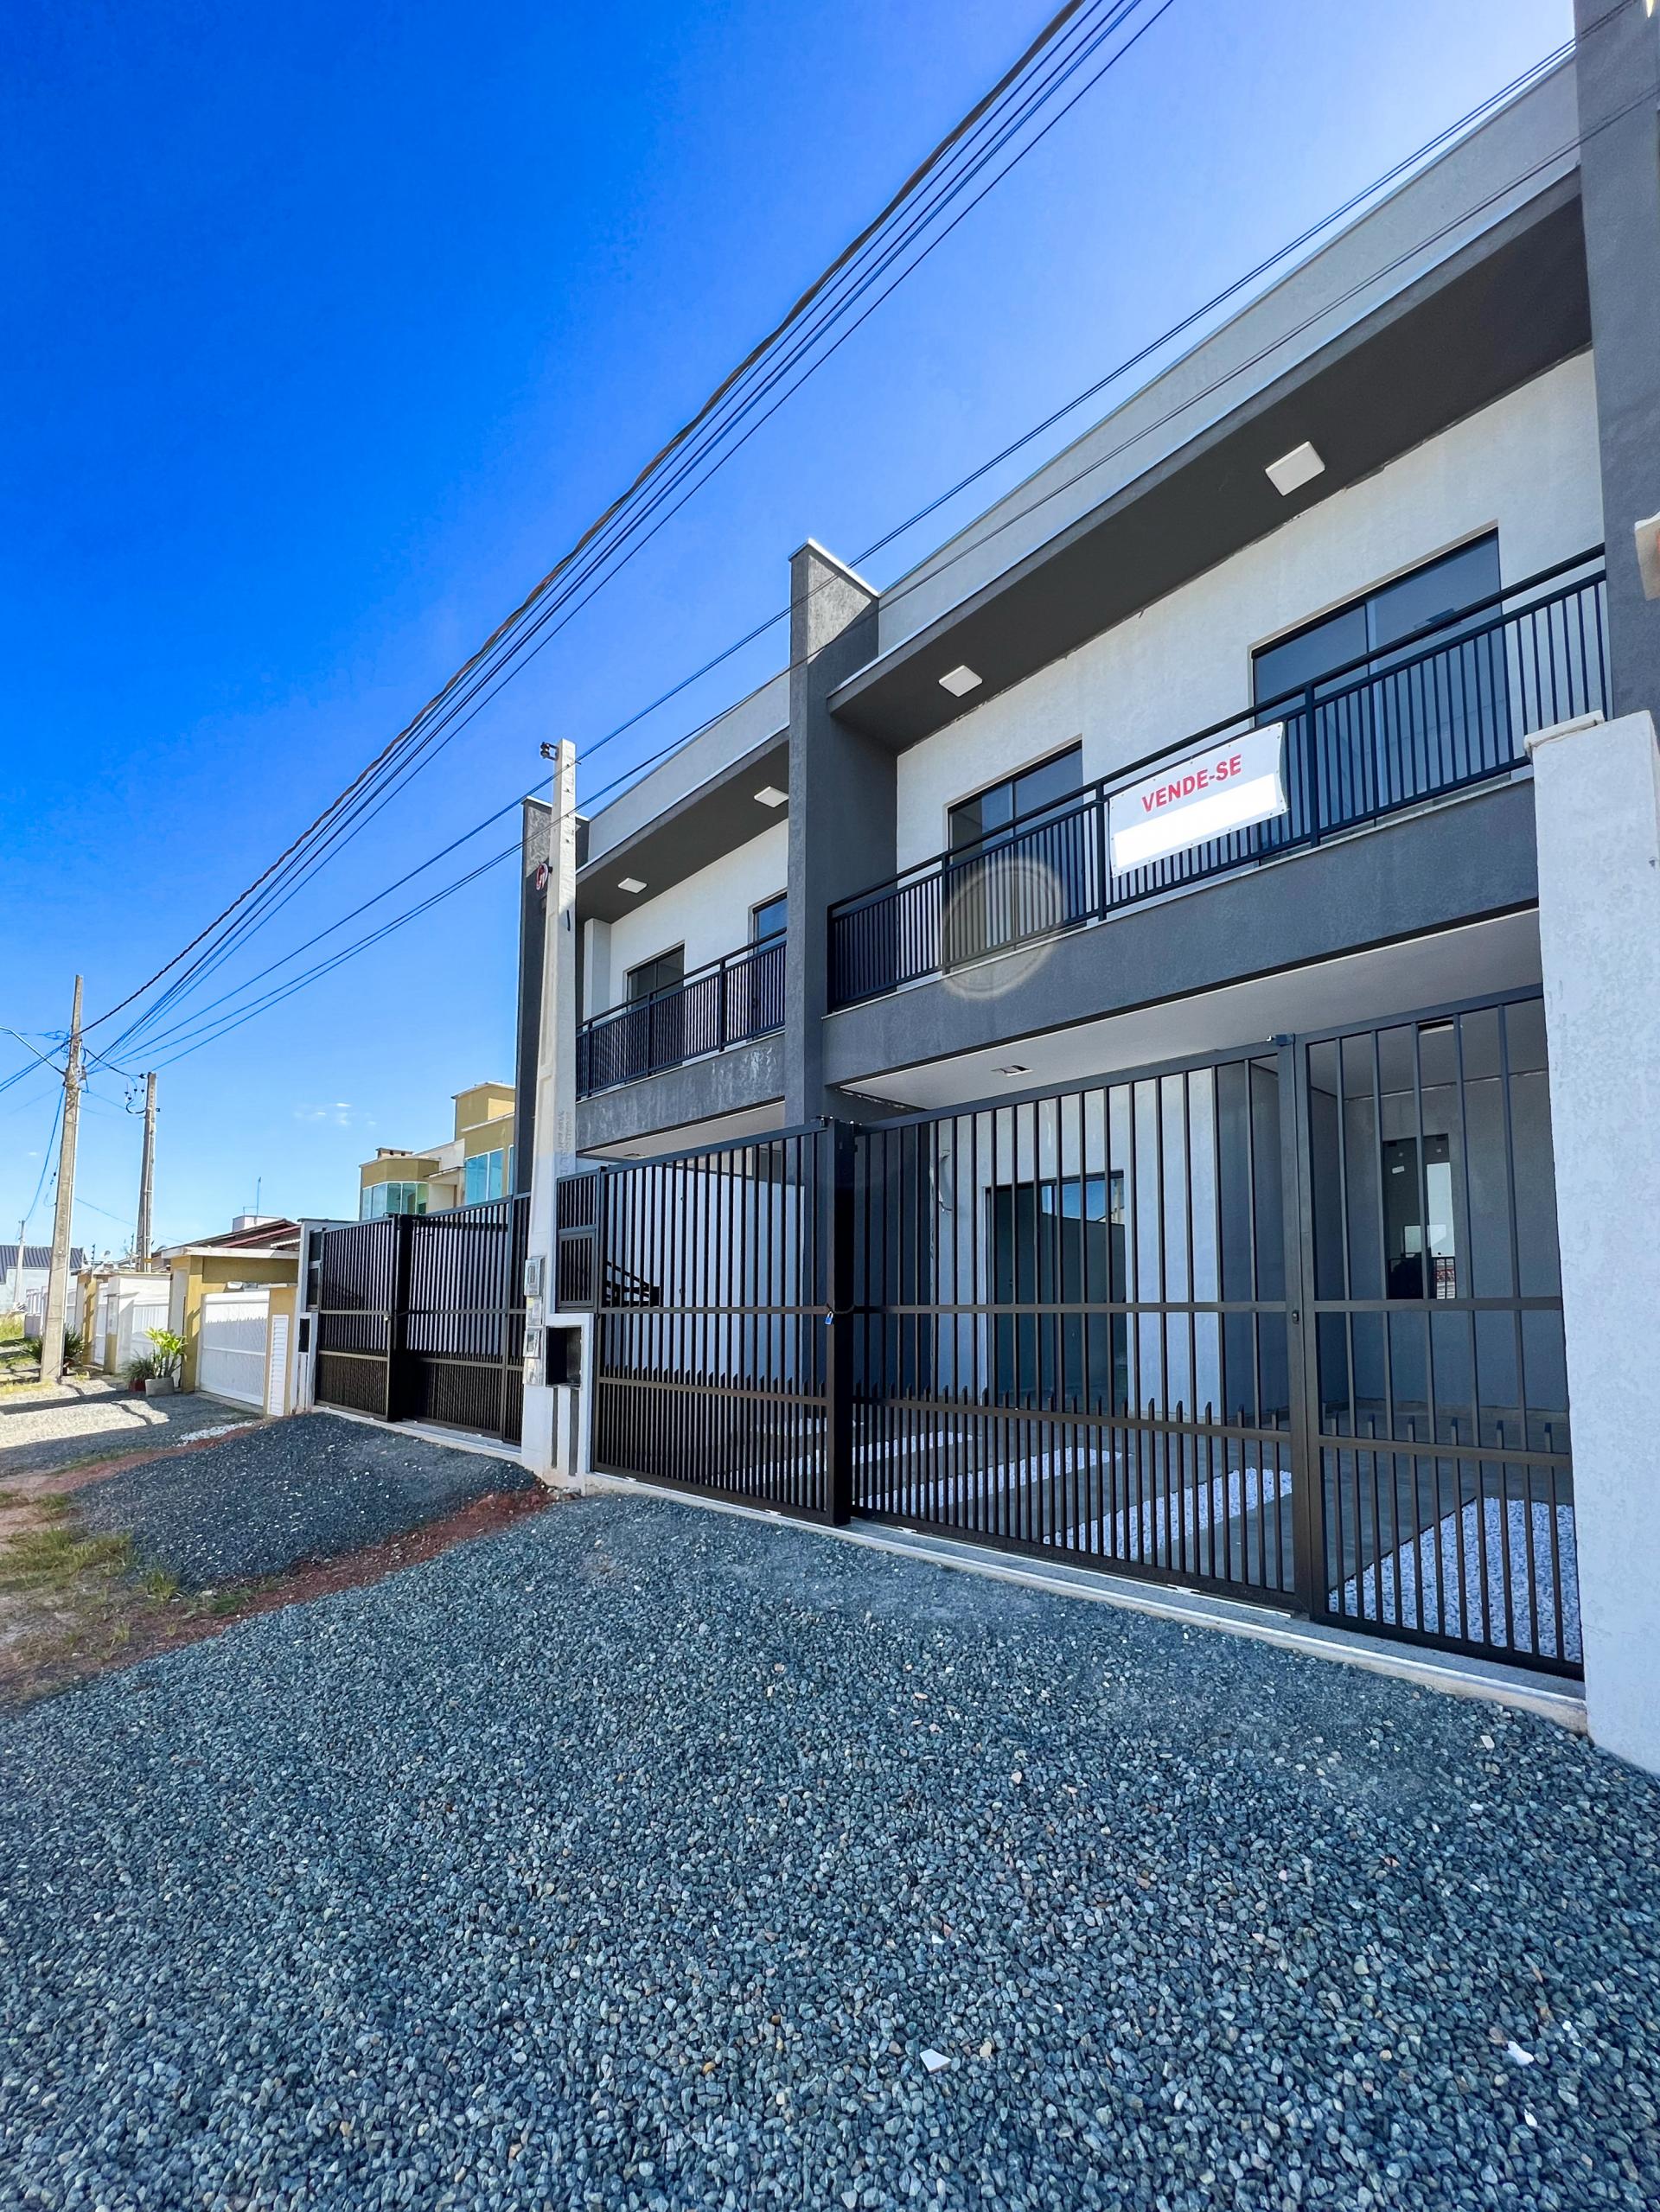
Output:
(146, 1177)
(57, 1281)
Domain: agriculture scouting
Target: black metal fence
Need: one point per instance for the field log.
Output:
(422, 1317)
(1445, 709)
(731, 1000)
(1438, 1384)
(1071, 1329)
(1284, 1324)
(713, 1277)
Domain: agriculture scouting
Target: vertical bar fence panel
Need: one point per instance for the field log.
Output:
(709, 1274)
(421, 1318)
(1441, 712)
(1070, 1327)
(1444, 1492)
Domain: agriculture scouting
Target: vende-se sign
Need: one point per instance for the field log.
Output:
(1200, 798)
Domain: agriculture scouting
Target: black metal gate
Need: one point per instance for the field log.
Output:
(1437, 1381)
(1072, 1327)
(1284, 1324)
(421, 1318)
(716, 1355)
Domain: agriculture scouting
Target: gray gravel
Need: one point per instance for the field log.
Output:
(307, 1489)
(41, 1429)
(637, 1856)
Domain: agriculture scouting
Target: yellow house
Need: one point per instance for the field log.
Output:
(258, 1251)
(475, 1163)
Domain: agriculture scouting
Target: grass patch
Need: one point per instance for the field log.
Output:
(58, 1559)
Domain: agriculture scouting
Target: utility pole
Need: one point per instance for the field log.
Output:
(18, 1279)
(57, 1281)
(146, 1177)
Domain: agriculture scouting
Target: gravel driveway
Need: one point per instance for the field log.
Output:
(40, 1430)
(642, 1857)
(306, 1488)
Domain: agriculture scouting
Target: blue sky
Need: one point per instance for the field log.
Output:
(330, 328)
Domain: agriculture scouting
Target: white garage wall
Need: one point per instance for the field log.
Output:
(1528, 465)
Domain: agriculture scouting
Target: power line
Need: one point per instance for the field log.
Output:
(236, 1018)
(1144, 352)
(353, 814)
(941, 152)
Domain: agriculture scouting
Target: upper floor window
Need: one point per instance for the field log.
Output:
(484, 1177)
(769, 920)
(989, 811)
(661, 972)
(379, 1199)
(1368, 626)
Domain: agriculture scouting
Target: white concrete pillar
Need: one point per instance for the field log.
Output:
(1596, 803)
(596, 968)
(555, 1128)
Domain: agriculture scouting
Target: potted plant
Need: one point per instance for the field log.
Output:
(140, 1371)
(169, 1357)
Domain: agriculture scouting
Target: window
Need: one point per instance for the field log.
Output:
(770, 919)
(379, 1199)
(484, 1177)
(661, 972)
(995, 808)
(1012, 884)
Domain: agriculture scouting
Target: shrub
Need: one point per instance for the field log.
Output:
(74, 1348)
(139, 1369)
(170, 1350)
(32, 1346)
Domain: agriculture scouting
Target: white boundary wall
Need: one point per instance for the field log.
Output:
(1597, 795)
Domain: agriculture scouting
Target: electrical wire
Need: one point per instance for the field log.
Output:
(982, 109)
(240, 1015)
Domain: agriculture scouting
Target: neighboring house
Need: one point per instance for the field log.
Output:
(475, 1163)
(232, 1298)
(27, 1290)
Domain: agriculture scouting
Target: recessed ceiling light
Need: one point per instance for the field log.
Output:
(1014, 1067)
(629, 883)
(1294, 470)
(959, 680)
(769, 795)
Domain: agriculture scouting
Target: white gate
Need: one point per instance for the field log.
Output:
(231, 1354)
(138, 1311)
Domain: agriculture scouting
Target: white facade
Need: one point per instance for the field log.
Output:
(1527, 466)
(709, 914)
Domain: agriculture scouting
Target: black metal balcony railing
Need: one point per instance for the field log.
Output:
(1444, 708)
(734, 998)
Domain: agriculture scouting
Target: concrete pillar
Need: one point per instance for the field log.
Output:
(532, 935)
(1616, 66)
(555, 1118)
(841, 804)
(596, 968)
(1597, 804)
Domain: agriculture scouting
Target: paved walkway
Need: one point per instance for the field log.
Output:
(646, 1857)
(51, 1427)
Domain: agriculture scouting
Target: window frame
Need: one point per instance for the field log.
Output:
(1074, 744)
(630, 997)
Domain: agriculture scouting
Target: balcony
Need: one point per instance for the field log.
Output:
(1441, 711)
(730, 1001)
